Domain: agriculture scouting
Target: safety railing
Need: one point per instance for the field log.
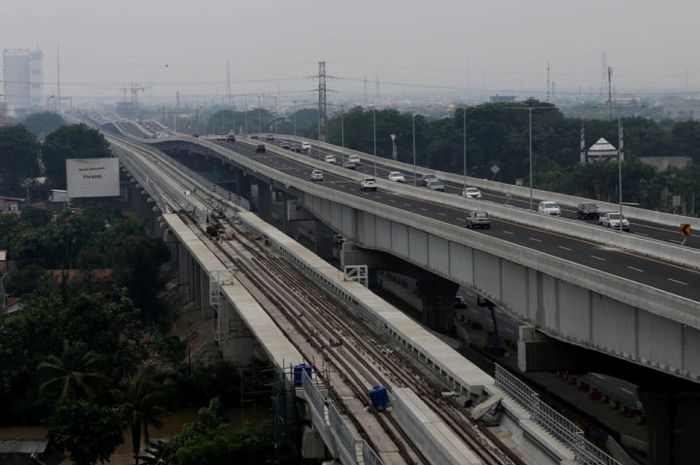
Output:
(552, 421)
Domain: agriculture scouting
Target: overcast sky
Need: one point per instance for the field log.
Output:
(274, 45)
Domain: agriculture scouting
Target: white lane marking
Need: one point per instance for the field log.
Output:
(424, 209)
(462, 219)
(510, 233)
(674, 240)
(441, 213)
(535, 239)
(598, 376)
(378, 197)
(598, 258)
(641, 234)
(676, 281)
(626, 390)
(406, 204)
(635, 269)
(564, 248)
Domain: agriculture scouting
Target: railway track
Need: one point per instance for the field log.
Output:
(346, 342)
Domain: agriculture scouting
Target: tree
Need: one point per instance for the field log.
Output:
(19, 155)
(41, 124)
(73, 141)
(36, 217)
(29, 279)
(139, 398)
(74, 372)
(86, 431)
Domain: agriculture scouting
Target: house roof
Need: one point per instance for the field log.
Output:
(602, 148)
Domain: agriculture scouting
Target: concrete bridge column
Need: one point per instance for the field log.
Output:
(264, 201)
(673, 419)
(242, 188)
(183, 260)
(195, 284)
(172, 244)
(236, 342)
(155, 214)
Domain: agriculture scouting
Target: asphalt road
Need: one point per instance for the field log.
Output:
(660, 275)
(667, 233)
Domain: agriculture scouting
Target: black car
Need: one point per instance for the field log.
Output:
(426, 178)
(231, 138)
(260, 148)
(254, 137)
(587, 211)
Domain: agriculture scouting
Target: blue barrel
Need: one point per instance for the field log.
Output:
(298, 370)
(379, 397)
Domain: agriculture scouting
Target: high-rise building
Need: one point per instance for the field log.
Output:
(23, 78)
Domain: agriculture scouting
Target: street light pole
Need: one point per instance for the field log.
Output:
(619, 165)
(245, 103)
(464, 135)
(414, 146)
(374, 128)
(529, 111)
(259, 116)
(342, 136)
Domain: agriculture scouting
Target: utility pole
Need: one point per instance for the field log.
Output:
(228, 80)
(610, 71)
(58, 76)
(548, 85)
(322, 104)
(365, 100)
(245, 103)
(259, 115)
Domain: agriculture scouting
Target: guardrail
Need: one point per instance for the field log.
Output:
(551, 421)
(520, 191)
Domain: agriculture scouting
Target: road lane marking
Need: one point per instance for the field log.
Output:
(441, 213)
(392, 200)
(635, 269)
(535, 239)
(406, 204)
(627, 391)
(598, 258)
(598, 376)
(462, 219)
(424, 209)
(510, 233)
(565, 248)
(676, 281)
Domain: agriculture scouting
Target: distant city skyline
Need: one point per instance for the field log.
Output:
(453, 47)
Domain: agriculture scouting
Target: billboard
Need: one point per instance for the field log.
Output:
(92, 177)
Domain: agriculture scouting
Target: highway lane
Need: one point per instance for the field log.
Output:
(667, 233)
(660, 275)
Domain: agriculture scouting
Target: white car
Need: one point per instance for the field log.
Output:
(471, 193)
(305, 146)
(396, 176)
(612, 221)
(355, 159)
(549, 208)
(316, 175)
(368, 184)
(329, 159)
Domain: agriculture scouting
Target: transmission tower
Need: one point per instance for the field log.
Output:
(603, 75)
(322, 100)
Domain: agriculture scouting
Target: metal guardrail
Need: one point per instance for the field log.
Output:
(552, 421)
(343, 433)
(369, 456)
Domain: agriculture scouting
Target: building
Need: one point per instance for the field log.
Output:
(601, 150)
(23, 79)
(502, 99)
(664, 163)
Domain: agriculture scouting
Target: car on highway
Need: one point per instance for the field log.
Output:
(423, 180)
(471, 193)
(612, 220)
(254, 136)
(270, 138)
(368, 184)
(478, 219)
(260, 148)
(231, 138)
(587, 211)
(435, 185)
(349, 165)
(316, 175)
(329, 159)
(549, 208)
(296, 148)
(286, 145)
(396, 176)
(305, 146)
(460, 302)
(355, 159)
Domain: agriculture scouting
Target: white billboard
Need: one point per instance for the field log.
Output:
(92, 177)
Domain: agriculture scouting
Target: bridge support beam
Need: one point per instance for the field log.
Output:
(237, 343)
(673, 418)
(264, 201)
(538, 352)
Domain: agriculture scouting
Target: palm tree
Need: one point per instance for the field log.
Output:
(75, 371)
(158, 452)
(139, 399)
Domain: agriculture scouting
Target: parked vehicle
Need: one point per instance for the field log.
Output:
(368, 184)
(329, 159)
(355, 159)
(286, 145)
(305, 146)
(231, 138)
(478, 219)
(296, 148)
(587, 211)
(396, 176)
(316, 175)
(549, 208)
(260, 148)
(612, 220)
(349, 165)
(471, 193)
(435, 185)
(423, 181)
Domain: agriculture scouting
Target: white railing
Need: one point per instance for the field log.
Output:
(552, 421)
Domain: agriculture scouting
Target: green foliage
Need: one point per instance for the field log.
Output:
(19, 155)
(31, 278)
(74, 374)
(36, 217)
(41, 124)
(72, 141)
(86, 431)
(208, 441)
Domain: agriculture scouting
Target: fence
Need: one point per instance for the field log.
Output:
(552, 421)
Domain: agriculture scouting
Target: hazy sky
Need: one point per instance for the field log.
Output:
(274, 45)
